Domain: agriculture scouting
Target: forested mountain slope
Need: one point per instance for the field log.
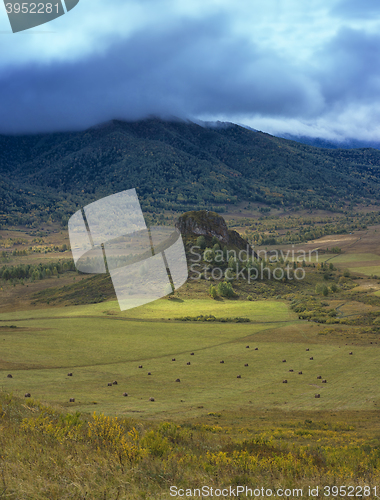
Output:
(177, 165)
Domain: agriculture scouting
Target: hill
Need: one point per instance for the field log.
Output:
(179, 166)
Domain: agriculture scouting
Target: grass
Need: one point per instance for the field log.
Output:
(355, 258)
(78, 456)
(101, 345)
(209, 428)
(367, 270)
(163, 309)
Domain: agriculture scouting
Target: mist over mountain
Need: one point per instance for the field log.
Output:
(320, 142)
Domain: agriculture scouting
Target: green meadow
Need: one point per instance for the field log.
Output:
(364, 263)
(99, 344)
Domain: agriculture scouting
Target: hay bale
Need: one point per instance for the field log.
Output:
(27, 395)
(9, 375)
(72, 400)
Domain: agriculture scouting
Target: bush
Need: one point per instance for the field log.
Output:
(225, 289)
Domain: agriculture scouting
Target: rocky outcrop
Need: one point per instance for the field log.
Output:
(204, 223)
(210, 224)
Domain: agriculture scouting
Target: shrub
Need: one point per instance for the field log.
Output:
(225, 289)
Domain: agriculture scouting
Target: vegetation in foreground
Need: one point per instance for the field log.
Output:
(47, 454)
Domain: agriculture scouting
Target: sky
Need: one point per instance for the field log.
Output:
(281, 66)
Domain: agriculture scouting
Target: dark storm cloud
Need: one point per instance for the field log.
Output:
(350, 68)
(192, 69)
(363, 9)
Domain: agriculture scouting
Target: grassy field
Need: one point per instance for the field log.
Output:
(99, 345)
(211, 427)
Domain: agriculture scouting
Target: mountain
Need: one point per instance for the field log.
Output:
(176, 165)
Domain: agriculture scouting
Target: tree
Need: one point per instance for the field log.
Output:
(213, 292)
(228, 275)
(36, 275)
(201, 242)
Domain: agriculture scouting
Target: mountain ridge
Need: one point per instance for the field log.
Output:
(179, 166)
